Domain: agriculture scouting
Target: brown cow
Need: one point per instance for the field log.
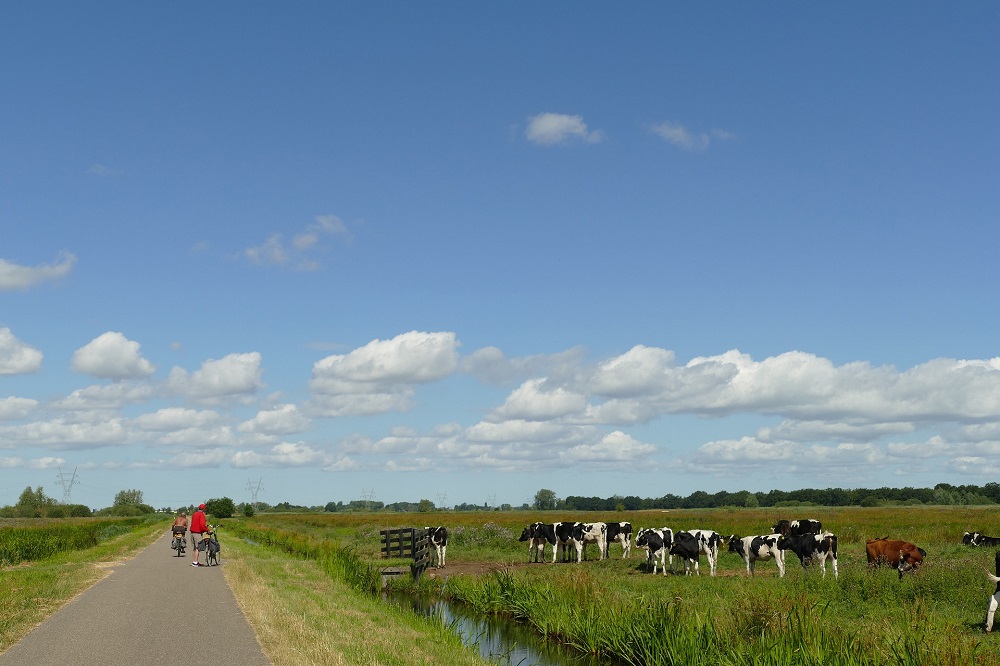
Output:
(900, 555)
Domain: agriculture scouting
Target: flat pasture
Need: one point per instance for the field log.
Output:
(614, 607)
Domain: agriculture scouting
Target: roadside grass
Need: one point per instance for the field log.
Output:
(303, 615)
(34, 590)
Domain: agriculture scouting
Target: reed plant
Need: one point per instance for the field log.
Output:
(43, 540)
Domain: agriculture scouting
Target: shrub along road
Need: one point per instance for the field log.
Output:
(153, 609)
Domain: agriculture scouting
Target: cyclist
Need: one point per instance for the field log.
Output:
(180, 526)
(198, 526)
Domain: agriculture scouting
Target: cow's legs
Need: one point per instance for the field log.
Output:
(991, 611)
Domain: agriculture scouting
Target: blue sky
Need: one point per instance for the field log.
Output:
(465, 251)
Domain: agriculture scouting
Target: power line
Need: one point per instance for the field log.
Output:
(254, 490)
(67, 481)
(368, 496)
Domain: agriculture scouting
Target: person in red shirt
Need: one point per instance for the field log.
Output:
(198, 526)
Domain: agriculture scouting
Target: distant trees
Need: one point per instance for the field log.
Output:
(545, 500)
(220, 508)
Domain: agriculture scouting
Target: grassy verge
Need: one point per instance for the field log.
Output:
(301, 615)
(32, 592)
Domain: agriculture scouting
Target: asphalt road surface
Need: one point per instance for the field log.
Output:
(152, 609)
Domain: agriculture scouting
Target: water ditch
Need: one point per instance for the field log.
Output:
(498, 639)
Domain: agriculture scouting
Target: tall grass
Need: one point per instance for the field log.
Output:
(39, 542)
(340, 562)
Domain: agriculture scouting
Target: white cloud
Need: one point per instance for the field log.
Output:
(281, 420)
(13, 409)
(113, 356)
(64, 434)
(379, 377)
(233, 375)
(177, 418)
(109, 397)
(552, 128)
(16, 277)
(47, 462)
(681, 137)
(534, 401)
(305, 249)
(16, 357)
(286, 454)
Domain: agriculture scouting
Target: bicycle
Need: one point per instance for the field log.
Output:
(178, 543)
(210, 544)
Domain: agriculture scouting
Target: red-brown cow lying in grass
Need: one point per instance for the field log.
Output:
(900, 555)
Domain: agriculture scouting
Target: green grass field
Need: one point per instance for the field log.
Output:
(614, 608)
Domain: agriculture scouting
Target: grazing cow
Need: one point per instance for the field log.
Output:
(588, 533)
(562, 537)
(753, 548)
(656, 543)
(995, 599)
(708, 543)
(622, 533)
(438, 537)
(687, 546)
(901, 555)
(979, 539)
(812, 548)
(797, 527)
(536, 535)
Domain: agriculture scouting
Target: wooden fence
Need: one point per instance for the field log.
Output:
(408, 543)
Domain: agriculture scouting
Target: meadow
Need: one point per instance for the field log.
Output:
(613, 608)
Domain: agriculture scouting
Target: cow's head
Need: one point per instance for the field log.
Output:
(526, 533)
(734, 543)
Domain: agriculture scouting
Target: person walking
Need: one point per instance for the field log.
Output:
(199, 525)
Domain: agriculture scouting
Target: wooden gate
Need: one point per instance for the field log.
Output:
(409, 543)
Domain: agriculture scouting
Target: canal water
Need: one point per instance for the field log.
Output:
(501, 640)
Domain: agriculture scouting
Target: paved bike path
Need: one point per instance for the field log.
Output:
(152, 609)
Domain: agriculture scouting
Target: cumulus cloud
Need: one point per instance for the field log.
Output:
(234, 375)
(16, 357)
(555, 128)
(113, 356)
(380, 376)
(106, 397)
(16, 277)
(14, 409)
(286, 454)
(47, 462)
(533, 400)
(280, 420)
(680, 136)
(306, 248)
(66, 433)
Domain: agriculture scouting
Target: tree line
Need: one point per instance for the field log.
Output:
(941, 494)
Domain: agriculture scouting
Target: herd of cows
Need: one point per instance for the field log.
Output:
(805, 538)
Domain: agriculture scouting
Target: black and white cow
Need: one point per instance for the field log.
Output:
(656, 543)
(562, 537)
(980, 539)
(438, 537)
(797, 527)
(537, 534)
(754, 548)
(622, 533)
(995, 599)
(588, 533)
(687, 547)
(708, 543)
(812, 548)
